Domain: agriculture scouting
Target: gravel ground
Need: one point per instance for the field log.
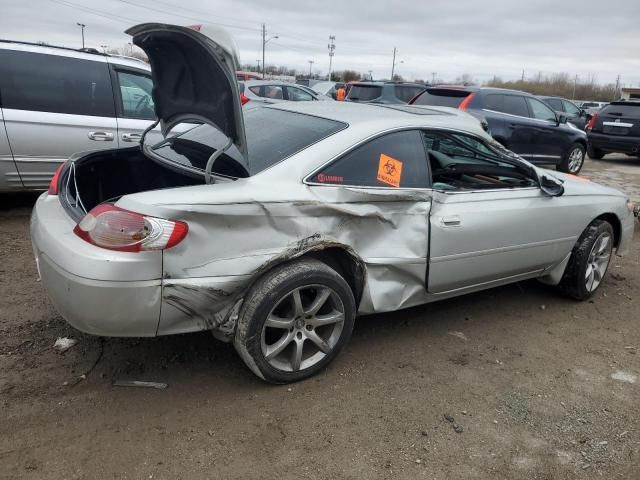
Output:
(515, 382)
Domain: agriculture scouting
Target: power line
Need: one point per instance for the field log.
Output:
(99, 13)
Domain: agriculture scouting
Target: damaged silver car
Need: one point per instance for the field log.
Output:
(276, 227)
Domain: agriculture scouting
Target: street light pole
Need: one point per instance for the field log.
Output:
(393, 65)
(104, 48)
(265, 40)
(311, 62)
(81, 25)
(331, 47)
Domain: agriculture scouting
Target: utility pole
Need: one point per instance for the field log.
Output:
(265, 40)
(393, 65)
(575, 84)
(615, 93)
(433, 78)
(331, 46)
(311, 62)
(522, 79)
(81, 25)
(258, 61)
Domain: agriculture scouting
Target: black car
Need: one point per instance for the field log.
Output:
(383, 92)
(562, 106)
(615, 129)
(519, 121)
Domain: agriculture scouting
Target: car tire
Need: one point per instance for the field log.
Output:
(589, 261)
(573, 159)
(594, 153)
(294, 321)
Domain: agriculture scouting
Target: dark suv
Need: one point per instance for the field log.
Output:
(519, 121)
(383, 92)
(562, 106)
(615, 129)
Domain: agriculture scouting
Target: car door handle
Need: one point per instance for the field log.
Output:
(450, 221)
(131, 137)
(101, 136)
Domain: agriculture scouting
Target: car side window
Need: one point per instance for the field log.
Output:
(52, 83)
(515, 105)
(570, 108)
(394, 160)
(407, 92)
(540, 111)
(555, 103)
(135, 95)
(463, 162)
(268, 91)
(298, 95)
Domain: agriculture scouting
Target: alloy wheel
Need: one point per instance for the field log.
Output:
(576, 159)
(304, 326)
(598, 261)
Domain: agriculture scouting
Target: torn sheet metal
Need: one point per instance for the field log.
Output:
(384, 231)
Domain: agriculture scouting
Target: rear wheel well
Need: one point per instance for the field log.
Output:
(615, 224)
(343, 262)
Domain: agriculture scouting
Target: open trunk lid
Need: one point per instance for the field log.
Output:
(193, 71)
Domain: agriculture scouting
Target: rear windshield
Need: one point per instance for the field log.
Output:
(441, 98)
(365, 92)
(621, 110)
(407, 92)
(272, 136)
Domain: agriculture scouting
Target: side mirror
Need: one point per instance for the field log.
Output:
(562, 118)
(551, 186)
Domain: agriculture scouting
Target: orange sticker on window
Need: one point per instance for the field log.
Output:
(389, 170)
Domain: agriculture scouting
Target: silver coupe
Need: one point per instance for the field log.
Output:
(275, 227)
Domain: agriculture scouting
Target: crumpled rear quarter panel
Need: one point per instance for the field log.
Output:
(230, 244)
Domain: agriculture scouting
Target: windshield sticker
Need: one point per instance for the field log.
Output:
(389, 170)
(322, 178)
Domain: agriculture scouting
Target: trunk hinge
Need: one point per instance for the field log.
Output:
(207, 171)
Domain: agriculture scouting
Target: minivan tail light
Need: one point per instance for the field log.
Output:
(53, 184)
(244, 99)
(592, 122)
(114, 228)
(465, 103)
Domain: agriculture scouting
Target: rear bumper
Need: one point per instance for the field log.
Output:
(614, 143)
(98, 291)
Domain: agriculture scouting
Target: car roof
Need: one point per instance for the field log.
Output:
(472, 88)
(379, 83)
(253, 83)
(382, 117)
(85, 54)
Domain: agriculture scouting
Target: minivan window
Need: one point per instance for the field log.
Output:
(52, 83)
(135, 94)
(364, 92)
(272, 136)
(439, 97)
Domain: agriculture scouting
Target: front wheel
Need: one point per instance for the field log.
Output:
(589, 261)
(573, 160)
(294, 321)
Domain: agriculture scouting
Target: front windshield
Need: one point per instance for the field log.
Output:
(272, 135)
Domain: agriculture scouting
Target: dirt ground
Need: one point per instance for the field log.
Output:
(511, 383)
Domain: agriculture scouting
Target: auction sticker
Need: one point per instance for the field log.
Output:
(389, 170)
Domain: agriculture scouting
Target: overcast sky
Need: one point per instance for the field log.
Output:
(450, 37)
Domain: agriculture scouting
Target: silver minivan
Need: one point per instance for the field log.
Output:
(57, 101)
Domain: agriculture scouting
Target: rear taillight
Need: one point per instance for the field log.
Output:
(244, 99)
(592, 122)
(465, 103)
(114, 228)
(53, 184)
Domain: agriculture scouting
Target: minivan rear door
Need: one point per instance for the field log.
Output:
(54, 104)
